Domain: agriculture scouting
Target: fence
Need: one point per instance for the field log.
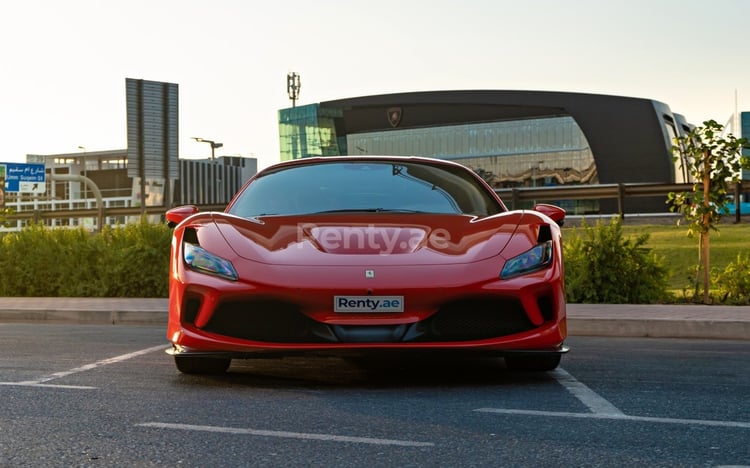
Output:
(512, 197)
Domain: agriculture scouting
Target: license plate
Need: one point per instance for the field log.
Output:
(368, 304)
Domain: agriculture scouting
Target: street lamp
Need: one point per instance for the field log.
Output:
(216, 190)
(213, 144)
(83, 185)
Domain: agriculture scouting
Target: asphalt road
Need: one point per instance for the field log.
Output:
(97, 395)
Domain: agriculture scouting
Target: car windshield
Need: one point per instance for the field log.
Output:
(365, 186)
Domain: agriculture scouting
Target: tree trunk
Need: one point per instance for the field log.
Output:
(705, 231)
(705, 267)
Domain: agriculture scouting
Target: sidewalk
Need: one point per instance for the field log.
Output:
(660, 321)
(663, 321)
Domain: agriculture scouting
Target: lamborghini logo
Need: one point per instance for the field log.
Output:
(394, 116)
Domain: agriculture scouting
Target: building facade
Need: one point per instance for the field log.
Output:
(200, 182)
(745, 133)
(511, 138)
(147, 173)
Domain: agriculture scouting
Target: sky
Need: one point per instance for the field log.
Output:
(64, 64)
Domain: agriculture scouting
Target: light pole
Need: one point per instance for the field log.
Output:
(216, 188)
(213, 144)
(83, 186)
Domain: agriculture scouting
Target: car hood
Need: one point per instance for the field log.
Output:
(373, 238)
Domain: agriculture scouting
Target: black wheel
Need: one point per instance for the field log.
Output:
(201, 365)
(533, 362)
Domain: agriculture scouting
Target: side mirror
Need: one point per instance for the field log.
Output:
(176, 215)
(556, 213)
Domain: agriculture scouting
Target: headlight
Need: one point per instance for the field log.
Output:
(532, 260)
(201, 260)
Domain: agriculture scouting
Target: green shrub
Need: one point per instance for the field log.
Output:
(138, 261)
(128, 261)
(602, 266)
(733, 284)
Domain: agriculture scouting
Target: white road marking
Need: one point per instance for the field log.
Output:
(622, 417)
(603, 409)
(27, 384)
(588, 397)
(288, 435)
(42, 382)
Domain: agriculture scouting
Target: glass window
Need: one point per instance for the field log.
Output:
(307, 131)
(371, 186)
(509, 153)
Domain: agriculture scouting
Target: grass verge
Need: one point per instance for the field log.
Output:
(680, 252)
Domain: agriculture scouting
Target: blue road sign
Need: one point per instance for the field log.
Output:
(25, 178)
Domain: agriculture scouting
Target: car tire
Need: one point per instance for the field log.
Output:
(201, 365)
(533, 362)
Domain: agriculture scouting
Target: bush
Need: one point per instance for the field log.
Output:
(138, 260)
(602, 266)
(733, 284)
(128, 261)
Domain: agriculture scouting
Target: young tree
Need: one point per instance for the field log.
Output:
(714, 163)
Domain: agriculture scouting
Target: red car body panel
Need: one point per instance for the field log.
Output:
(433, 265)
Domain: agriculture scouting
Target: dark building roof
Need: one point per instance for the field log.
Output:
(627, 136)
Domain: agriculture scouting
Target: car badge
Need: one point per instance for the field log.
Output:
(369, 273)
(394, 116)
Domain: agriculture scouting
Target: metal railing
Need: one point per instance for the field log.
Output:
(513, 197)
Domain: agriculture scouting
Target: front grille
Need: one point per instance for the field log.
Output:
(476, 319)
(281, 322)
(265, 320)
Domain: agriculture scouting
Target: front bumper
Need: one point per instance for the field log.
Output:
(464, 307)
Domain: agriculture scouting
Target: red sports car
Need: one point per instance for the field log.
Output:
(362, 254)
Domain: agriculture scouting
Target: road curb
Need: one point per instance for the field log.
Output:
(660, 328)
(606, 320)
(81, 317)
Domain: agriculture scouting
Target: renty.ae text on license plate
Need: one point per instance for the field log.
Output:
(365, 304)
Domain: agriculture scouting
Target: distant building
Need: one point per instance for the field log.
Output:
(200, 182)
(745, 133)
(146, 173)
(511, 138)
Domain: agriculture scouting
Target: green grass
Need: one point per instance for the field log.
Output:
(680, 252)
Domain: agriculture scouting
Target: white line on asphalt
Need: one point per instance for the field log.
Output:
(603, 409)
(288, 435)
(588, 397)
(620, 417)
(87, 367)
(27, 384)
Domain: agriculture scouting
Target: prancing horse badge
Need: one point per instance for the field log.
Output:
(394, 116)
